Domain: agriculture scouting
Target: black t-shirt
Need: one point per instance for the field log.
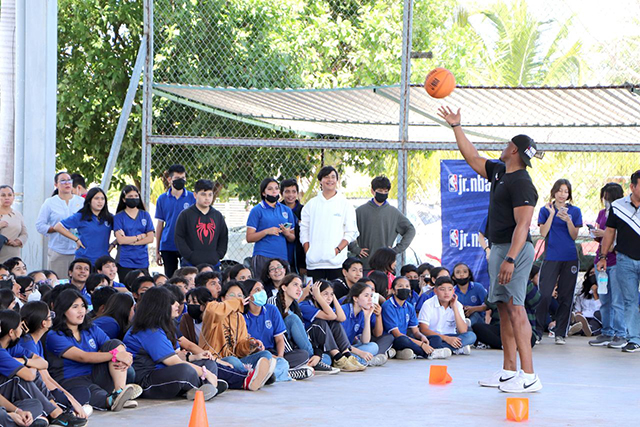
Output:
(340, 288)
(508, 191)
(628, 240)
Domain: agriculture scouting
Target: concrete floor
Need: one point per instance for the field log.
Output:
(579, 383)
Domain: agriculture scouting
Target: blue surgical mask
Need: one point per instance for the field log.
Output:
(260, 298)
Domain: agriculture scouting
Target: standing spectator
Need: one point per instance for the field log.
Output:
(380, 224)
(270, 226)
(512, 200)
(289, 191)
(62, 204)
(13, 231)
(327, 227)
(201, 233)
(93, 224)
(133, 228)
(623, 228)
(79, 185)
(559, 223)
(168, 207)
(613, 331)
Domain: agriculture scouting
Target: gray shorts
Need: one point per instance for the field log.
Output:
(517, 287)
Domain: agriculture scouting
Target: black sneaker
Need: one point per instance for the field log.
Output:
(222, 386)
(617, 342)
(68, 420)
(40, 422)
(117, 399)
(323, 368)
(301, 373)
(631, 347)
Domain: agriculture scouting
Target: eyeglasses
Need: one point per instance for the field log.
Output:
(51, 316)
(8, 277)
(272, 269)
(44, 282)
(65, 181)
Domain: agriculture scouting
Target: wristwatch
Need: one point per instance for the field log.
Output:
(509, 260)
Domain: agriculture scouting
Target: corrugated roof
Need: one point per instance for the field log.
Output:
(559, 115)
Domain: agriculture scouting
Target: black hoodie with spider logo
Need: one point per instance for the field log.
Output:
(201, 238)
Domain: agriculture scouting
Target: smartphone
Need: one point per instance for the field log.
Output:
(376, 298)
(287, 225)
(590, 227)
(309, 282)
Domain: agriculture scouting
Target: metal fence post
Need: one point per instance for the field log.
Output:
(147, 106)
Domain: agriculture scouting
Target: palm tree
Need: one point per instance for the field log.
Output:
(7, 80)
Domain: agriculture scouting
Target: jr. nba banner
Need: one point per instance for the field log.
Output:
(465, 201)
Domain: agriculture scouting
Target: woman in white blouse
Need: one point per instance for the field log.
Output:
(11, 226)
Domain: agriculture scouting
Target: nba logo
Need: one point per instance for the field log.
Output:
(454, 238)
(453, 183)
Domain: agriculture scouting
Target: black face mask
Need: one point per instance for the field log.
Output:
(132, 203)
(194, 311)
(179, 183)
(462, 282)
(381, 197)
(271, 199)
(403, 294)
(415, 285)
(591, 280)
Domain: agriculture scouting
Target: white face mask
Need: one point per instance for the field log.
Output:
(34, 296)
(607, 206)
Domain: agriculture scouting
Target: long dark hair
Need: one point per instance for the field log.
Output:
(468, 269)
(355, 292)
(383, 259)
(63, 302)
(280, 298)
(87, 213)
(233, 271)
(33, 314)
(154, 312)
(126, 190)
(9, 319)
(324, 284)
(586, 285)
(381, 282)
(94, 280)
(118, 307)
(556, 187)
(55, 181)
(247, 286)
(267, 282)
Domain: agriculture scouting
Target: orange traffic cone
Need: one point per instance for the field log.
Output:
(517, 409)
(438, 375)
(199, 412)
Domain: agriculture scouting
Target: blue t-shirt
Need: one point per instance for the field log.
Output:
(309, 312)
(265, 326)
(28, 343)
(167, 209)
(476, 294)
(20, 351)
(149, 348)
(94, 235)
(354, 325)
(424, 297)
(8, 365)
(560, 245)
(413, 299)
(118, 285)
(58, 343)
(108, 325)
(263, 216)
(394, 316)
(133, 256)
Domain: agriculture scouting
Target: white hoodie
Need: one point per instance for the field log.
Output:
(324, 224)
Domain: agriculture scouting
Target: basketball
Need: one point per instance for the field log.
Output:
(440, 83)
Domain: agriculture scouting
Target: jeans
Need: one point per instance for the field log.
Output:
(370, 347)
(297, 333)
(612, 308)
(282, 366)
(468, 338)
(628, 276)
(477, 317)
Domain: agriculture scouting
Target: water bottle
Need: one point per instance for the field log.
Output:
(603, 281)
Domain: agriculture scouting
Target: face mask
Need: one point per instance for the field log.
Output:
(132, 203)
(260, 298)
(271, 199)
(415, 284)
(179, 183)
(462, 282)
(403, 294)
(381, 197)
(34, 296)
(607, 205)
(195, 312)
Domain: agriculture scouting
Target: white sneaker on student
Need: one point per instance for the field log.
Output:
(391, 353)
(466, 350)
(405, 354)
(522, 384)
(498, 378)
(440, 353)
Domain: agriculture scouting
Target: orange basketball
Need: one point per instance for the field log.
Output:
(440, 83)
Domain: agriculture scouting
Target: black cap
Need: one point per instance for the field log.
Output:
(526, 148)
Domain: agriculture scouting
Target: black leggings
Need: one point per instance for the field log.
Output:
(384, 341)
(565, 273)
(28, 405)
(326, 336)
(15, 389)
(170, 261)
(490, 335)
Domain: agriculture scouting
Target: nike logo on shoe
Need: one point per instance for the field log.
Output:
(506, 379)
(526, 386)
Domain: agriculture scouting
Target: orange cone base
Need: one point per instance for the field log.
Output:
(438, 375)
(517, 409)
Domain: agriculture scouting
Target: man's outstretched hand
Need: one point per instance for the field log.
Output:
(449, 116)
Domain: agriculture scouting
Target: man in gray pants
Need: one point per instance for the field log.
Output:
(512, 200)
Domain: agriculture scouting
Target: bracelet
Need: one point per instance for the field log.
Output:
(113, 355)
(485, 249)
(25, 362)
(602, 256)
(204, 373)
(339, 250)
(455, 125)
(187, 355)
(77, 240)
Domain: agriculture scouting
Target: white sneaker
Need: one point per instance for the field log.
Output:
(440, 353)
(521, 385)
(391, 353)
(378, 360)
(130, 404)
(497, 379)
(466, 350)
(405, 354)
(88, 409)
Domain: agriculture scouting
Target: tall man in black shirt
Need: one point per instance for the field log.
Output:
(512, 201)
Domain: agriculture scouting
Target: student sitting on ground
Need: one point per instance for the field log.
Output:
(436, 273)
(117, 315)
(399, 319)
(587, 318)
(212, 280)
(351, 273)
(442, 318)
(191, 321)
(272, 275)
(378, 334)
(188, 273)
(410, 271)
(470, 294)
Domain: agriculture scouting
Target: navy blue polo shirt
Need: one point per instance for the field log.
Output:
(560, 245)
(108, 325)
(396, 316)
(94, 234)
(263, 216)
(354, 325)
(167, 209)
(133, 256)
(413, 299)
(476, 294)
(20, 351)
(28, 343)
(265, 326)
(8, 365)
(149, 349)
(91, 341)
